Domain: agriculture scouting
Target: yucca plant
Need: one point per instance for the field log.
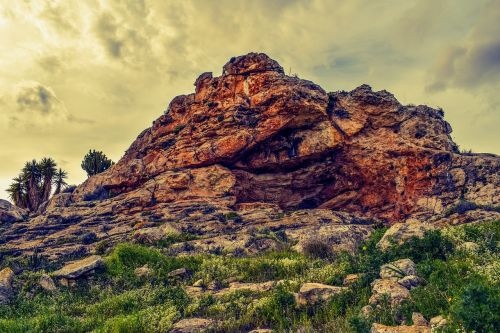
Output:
(33, 186)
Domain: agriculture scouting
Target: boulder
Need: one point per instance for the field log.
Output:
(398, 269)
(391, 289)
(438, 321)
(6, 291)
(47, 283)
(312, 293)
(379, 328)
(192, 325)
(10, 213)
(254, 287)
(79, 268)
(350, 279)
(398, 233)
(180, 272)
(418, 319)
(411, 281)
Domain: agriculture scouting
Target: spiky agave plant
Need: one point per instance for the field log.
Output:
(60, 180)
(48, 170)
(17, 192)
(34, 185)
(33, 176)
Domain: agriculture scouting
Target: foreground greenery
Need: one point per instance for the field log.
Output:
(462, 284)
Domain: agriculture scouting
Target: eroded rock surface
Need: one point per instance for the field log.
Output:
(76, 269)
(312, 293)
(6, 291)
(255, 149)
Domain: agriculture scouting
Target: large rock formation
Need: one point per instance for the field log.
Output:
(257, 148)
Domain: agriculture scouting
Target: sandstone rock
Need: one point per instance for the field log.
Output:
(6, 291)
(10, 213)
(153, 235)
(350, 279)
(143, 271)
(192, 325)
(79, 268)
(398, 269)
(67, 282)
(261, 330)
(438, 321)
(391, 289)
(410, 281)
(312, 293)
(400, 232)
(254, 287)
(177, 273)
(379, 328)
(47, 283)
(258, 140)
(418, 319)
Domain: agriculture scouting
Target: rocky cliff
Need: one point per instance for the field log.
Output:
(253, 152)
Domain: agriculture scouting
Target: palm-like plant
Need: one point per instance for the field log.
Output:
(17, 192)
(60, 180)
(34, 185)
(48, 170)
(31, 172)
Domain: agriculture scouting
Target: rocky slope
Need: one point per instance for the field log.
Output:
(254, 152)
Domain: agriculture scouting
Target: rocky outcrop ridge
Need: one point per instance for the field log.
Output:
(256, 151)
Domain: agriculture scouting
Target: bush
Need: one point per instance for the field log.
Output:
(317, 248)
(478, 308)
(278, 309)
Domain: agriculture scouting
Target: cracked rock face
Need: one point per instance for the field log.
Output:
(259, 146)
(284, 140)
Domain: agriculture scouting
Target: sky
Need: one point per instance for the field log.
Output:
(92, 74)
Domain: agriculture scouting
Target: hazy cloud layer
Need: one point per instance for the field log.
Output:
(87, 74)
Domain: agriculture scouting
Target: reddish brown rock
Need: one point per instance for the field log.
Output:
(253, 143)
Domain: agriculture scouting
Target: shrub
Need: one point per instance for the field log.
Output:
(95, 162)
(478, 308)
(278, 309)
(317, 248)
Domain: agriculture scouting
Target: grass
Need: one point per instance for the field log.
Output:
(462, 285)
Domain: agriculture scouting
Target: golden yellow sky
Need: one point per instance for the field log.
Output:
(84, 74)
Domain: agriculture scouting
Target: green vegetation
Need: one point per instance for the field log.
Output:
(34, 184)
(462, 284)
(96, 162)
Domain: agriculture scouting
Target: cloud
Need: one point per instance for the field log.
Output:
(58, 17)
(473, 63)
(31, 104)
(467, 67)
(106, 30)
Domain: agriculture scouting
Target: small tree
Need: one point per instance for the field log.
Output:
(96, 162)
(33, 186)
